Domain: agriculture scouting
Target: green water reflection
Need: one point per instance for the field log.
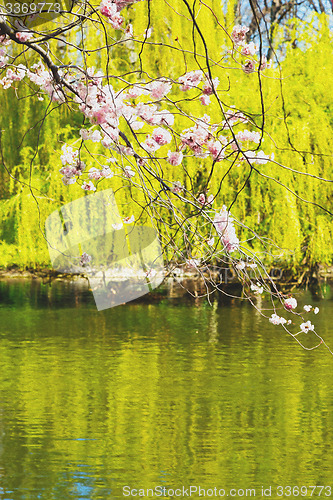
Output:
(164, 394)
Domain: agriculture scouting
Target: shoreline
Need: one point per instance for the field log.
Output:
(188, 287)
(322, 273)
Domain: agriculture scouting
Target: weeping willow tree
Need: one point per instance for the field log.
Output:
(298, 112)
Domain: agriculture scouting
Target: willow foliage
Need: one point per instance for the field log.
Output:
(298, 118)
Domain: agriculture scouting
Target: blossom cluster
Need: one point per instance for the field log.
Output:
(250, 49)
(140, 105)
(72, 165)
(223, 223)
(38, 75)
(104, 106)
(291, 303)
(3, 55)
(111, 8)
(278, 320)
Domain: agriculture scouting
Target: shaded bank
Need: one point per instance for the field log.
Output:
(188, 287)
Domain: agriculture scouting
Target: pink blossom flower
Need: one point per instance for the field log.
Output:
(129, 30)
(308, 308)
(88, 186)
(277, 320)
(135, 91)
(175, 158)
(190, 80)
(257, 288)
(80, 167)
(68, 171)
(20, 71)
(141, 162)
(238, 34)
(110, 137)
(23, 36)
(95, 173)
(161, 136)
(17, 74)
(223, 223)
(84, 134)
(150, 145)
(202, 199)
(124, 150)
(261, 158)
(92, 135)
(95, 136)
(290, 303)
(68, 180)
(159, 88)
(128, 172)
(121, 4)
(44, 79)
(116, 21)
(195, 137)
(176, 187)
(129, 220)
(100, 114)
(208, 86)
(117, 227)
(205, 201)
(136, 125)
(264, 64)
(3, 60)
(216, 150)
(233, 116)
(248, 66)
(6, 83)
(306, 327)
(106, 172)
(4, 40)
(249, 49)
(247, 135)
(85, 259)
(193, 263)
(211, 241)
(108, 8)
(146, 112)
(69, 156)
(164, 118)
(205, 100)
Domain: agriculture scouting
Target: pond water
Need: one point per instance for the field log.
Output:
(171, 394)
